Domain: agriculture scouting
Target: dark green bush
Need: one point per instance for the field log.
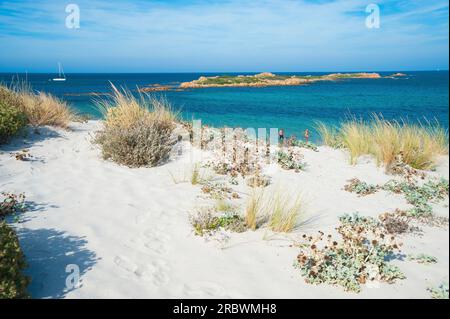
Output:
(13, 284)
(12, 120)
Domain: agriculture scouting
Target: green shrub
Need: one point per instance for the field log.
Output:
(12, 120)
(13, 284)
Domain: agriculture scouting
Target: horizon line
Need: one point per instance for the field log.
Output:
(215, 72)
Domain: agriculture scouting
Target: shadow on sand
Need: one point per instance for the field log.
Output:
(29, 137)
(48, 253)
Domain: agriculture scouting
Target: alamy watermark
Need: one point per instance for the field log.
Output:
(73, 17)
(373, 20)
(73, 279)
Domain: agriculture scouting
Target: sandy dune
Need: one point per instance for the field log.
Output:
(128, 229)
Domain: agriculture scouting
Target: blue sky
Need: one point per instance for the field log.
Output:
(225, 35)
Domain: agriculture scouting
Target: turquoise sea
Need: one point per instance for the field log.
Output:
(416, 97)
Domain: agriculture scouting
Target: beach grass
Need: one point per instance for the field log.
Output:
(284, 211)
(254, 209)
(39, 108)
(419, 144)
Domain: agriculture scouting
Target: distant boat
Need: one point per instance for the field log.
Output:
(61, 75)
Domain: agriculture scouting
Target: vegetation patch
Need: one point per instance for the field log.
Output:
(284, 212)
(423, 259)
(13, 283)
(440, 292)
(360, 257)
(207, 222)
(12, 119)
(11, 204)
(290, 161)
(420, 196)
(361, 188)
(397, 223)
(419, 145)
(136, 132)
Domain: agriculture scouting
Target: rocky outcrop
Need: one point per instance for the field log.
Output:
(269, 79)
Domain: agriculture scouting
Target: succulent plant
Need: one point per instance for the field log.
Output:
(360, 256)
(361, 188)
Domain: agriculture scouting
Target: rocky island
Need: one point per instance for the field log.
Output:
(270, 79)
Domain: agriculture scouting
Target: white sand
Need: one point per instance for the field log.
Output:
(128, 229)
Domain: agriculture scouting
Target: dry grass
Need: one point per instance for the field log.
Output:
(254, 210)
(330, 135)
(40, 108)
(356, 138)
(195, 175)
(419, 144)
(122, 109)
(137, 131)
(285, 212)
(223, 206)
(44, 109)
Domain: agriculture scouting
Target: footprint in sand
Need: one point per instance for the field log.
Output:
(156, 272)
(158, 248)
(125, 264)
(157, 235)
(204, 289)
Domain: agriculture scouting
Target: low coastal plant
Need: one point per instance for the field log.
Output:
(420, 196)
(440, 292)
(419, 144)
(397, 223)
(290, 161)
(399, 167)
(207, 222)
(284, 211)
(423, 259)
(13, 283)
(224, 206)
(258, 180)
(292, 141)
(11, 204)
(216, 190)
(360, 257)
(24, 155)
(136, 132)
(359, 187)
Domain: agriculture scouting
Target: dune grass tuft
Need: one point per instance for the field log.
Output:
(39, 108)
(254, 210)
(285, 212)
(418, 144)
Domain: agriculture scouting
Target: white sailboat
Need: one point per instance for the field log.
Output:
(61, 75)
